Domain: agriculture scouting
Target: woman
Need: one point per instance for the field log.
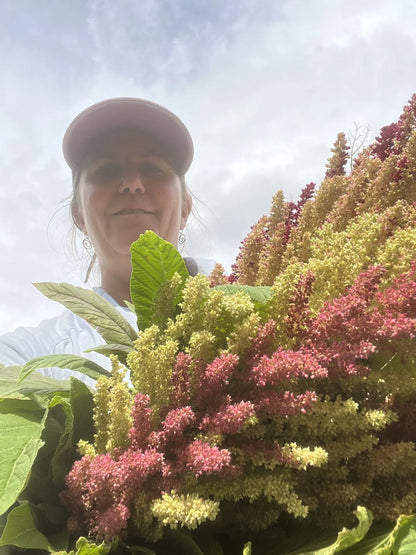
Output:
(128, 159)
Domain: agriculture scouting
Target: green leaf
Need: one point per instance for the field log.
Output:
(82, 403)
(70, 362)
(60, 464)
(21, 530)
(56, 456)
(345, 539)
(260, 295)
(34, 384)
(20, 431)
(69, 420)
(86, 547)
(178, 541)
(154, 263)
(376, 541)
(405, 535)
(121, 351)
(130, 306)
(95, 310)
(383, 540)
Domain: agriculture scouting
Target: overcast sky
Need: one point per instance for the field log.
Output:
(263, 85)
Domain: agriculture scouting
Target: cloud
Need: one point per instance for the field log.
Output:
(263, 86)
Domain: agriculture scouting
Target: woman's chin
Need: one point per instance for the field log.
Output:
(122, 246)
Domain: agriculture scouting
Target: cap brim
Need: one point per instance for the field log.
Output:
(129, 113)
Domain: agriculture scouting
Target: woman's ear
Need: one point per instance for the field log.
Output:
(186, 209)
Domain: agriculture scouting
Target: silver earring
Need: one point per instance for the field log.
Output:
(181, 238)
(86, 243)
(90, 267)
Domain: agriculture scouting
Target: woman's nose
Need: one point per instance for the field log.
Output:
(131, 183)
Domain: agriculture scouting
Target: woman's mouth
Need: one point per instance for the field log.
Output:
(127, 211)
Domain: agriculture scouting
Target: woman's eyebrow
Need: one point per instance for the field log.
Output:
(162, 159)
(97, 161)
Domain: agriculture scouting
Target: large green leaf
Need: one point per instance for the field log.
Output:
(76, 423)
(54, 458)
(21, 530)
(154, 263)
(347, 537)
(69, 420)
(321, 545)
(95, 310)
(386, 539)
(70, 362)
(21, 425)
(405, 535)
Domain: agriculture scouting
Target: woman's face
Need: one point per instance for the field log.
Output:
(128, 185)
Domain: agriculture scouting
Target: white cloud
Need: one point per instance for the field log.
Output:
(264, 87)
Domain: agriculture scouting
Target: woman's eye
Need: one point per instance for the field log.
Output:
(107, 172)
(152, 169)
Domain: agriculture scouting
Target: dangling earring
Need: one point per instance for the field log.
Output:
(90, 267)
(181, 239)
(86, 243)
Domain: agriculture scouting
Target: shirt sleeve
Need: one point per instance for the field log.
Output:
(65, 334)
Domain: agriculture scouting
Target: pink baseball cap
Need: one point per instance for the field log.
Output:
(128, 113)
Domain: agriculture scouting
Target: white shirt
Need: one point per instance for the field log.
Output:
(64, 334)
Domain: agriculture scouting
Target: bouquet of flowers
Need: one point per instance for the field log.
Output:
(269, 411)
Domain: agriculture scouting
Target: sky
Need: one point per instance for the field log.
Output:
(264, 86)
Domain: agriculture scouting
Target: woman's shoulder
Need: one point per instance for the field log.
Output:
(64, 334)
(52, 336)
